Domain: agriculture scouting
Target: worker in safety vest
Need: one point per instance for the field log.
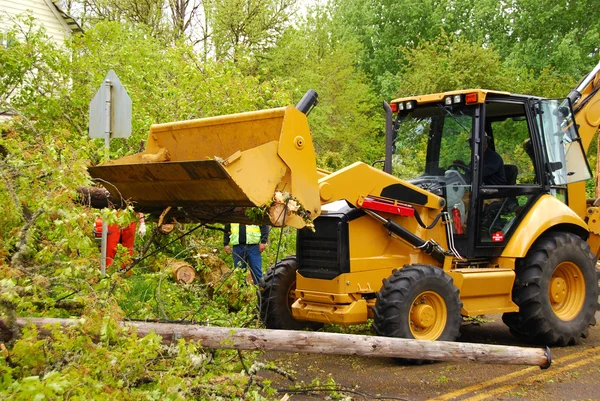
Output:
(248, 242)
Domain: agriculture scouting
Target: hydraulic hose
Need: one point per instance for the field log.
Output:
(409, 237)
(429, 227)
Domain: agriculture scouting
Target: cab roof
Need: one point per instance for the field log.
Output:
(481, 95)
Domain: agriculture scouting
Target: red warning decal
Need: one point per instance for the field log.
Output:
(498, 237)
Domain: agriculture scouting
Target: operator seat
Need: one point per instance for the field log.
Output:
(511, 172)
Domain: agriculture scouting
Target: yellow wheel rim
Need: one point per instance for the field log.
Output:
(567, 291)
(428, 315)
(291, 296)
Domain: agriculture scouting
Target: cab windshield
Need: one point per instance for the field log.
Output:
(431, 150)
(445, 130)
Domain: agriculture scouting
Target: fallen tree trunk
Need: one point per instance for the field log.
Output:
(95, 197)
(322, 343)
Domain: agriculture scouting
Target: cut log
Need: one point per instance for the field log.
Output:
(95, 197)
(323, 343)
(278, 215)
(182, 271)
(166, 228)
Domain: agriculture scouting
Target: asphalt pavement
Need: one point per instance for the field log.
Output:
(573, 375)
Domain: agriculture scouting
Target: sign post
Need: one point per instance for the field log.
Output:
(110, 117)
(107, 126)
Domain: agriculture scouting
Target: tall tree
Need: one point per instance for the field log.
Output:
(147, 12)
(448, 63)
(451, 62)
(563, 35)
(381, 27)
(242, 26)
(183, 15)
(347, 124)
(219, 29)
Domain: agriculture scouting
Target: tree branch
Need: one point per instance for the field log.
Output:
(17, 259)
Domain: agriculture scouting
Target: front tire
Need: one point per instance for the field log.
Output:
(277, 296)
(418, 302)
(556, 290)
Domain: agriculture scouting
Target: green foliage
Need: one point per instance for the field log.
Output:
(347, 124)
(564, 35)
(449, 63)
(73, 366)
(477, 319)
(530, 34)
(38, 178)
(101, 361)
(381, 27)
(243, 26)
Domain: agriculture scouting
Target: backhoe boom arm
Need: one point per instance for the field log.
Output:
(586, 106)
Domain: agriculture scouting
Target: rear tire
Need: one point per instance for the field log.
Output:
(278, 295)
(556, 289)
(418, 302)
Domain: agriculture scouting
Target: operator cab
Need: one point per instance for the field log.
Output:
(490, 155)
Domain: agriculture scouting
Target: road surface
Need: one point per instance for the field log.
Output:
(574, 374)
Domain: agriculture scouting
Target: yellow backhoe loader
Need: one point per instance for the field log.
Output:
(423, 242)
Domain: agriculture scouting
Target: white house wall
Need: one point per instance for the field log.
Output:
(43, 12)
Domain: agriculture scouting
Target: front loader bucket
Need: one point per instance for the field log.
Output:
(214, 169)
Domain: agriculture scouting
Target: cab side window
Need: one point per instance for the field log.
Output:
(508, 132)
(508, 126)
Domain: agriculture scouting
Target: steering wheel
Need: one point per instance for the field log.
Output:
(455, 187)
(461, 168)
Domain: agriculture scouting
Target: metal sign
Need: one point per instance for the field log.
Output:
(110, 110)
